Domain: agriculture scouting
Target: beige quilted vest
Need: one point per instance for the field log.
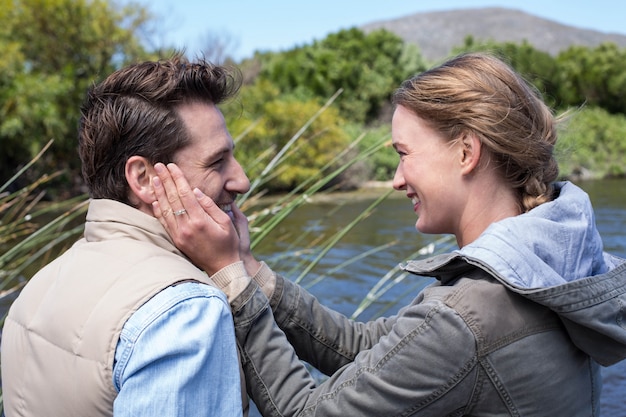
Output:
(59, 339)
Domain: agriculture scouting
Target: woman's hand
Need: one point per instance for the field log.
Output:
(241, 224)
(198, 227)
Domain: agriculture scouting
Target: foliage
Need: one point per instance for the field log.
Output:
(593, 76)
(268, 122)
(52, 51)
(592, 144)
(344, 60)
(537, 67)
(383, 163)
(577, 76)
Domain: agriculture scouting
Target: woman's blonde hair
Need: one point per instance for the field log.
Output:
(477, 93)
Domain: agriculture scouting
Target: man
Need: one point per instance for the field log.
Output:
(123, 323)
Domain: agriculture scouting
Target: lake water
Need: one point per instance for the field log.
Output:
(393, 221)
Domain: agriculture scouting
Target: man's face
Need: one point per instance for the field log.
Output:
(208, 161)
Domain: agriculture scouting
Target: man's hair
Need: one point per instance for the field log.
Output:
(133, 112)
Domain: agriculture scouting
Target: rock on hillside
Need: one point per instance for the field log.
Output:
(436, 33)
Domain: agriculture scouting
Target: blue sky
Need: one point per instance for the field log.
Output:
(281, 24)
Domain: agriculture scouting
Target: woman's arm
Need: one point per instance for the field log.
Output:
(426, 365)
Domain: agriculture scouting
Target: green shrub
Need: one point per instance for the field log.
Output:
(592, 145)
(303, 136)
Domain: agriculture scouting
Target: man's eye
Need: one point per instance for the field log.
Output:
(215, 163)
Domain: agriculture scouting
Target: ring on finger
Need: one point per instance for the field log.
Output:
(180, 212)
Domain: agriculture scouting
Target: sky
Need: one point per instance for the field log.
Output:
(277, 25)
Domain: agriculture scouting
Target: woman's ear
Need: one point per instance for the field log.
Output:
(139, 173)
(471, 149)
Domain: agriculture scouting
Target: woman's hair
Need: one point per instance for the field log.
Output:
(133, 112)
(476, 93)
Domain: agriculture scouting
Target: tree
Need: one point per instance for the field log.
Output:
(537, 67)
(592, 145)
(367, 67)
(52, 51)
(594, 76)
(263, 121)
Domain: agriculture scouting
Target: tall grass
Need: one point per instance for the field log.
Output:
(33, 230)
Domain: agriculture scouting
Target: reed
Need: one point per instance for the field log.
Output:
(33, 231)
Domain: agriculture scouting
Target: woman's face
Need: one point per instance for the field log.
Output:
(429, 172)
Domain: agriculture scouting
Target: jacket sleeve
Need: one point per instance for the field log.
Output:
(423, 361)
(320, 336)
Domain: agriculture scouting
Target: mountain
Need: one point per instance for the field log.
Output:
(436, 33)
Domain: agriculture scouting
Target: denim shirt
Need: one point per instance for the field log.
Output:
(177, 356)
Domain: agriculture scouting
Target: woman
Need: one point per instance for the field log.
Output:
(521, 315)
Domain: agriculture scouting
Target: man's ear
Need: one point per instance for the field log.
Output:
(471, 149)
(139, 173)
